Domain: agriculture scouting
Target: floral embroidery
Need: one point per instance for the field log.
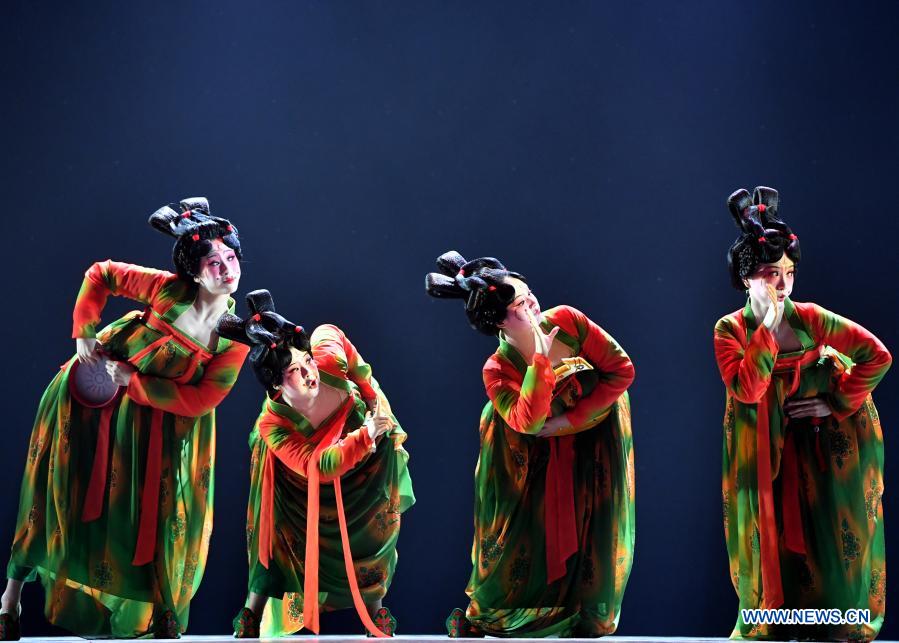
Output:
(521, 567)
(35, 451)
(294, 606)
(370, 576)
(872, 499)
(729, 423)
(850, 544)
(491, 550)
(878, 586)
(189, 572)
(178, 527)
(206, 477)
(519, 458)
(872, 411)
(103, 574)
(389, 516)
(840, 448)
(66, 432)
(725, 501)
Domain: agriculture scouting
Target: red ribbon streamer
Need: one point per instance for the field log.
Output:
(331, 433)
(559, 508)
(149, 500)
(96, 489)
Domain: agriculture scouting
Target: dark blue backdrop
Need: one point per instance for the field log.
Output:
(591, 146)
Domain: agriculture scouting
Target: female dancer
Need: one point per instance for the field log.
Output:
(803, 448)
(554, 494)
(322, 421)
(115, 510)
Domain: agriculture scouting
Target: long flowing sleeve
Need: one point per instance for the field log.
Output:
(615, 368)
(191, 400)
(335, 354)
(295, 451)
(109, 277)
(745, 369)
(870, 357)
(522, 403)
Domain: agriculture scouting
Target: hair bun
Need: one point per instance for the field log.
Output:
(166, 220)
(197, 204)
(260, 301)
(767, 197)
(443, 287)
(449, 263)
(232, 327)
(737, 204)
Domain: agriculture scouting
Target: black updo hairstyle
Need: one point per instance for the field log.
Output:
(480, 283)
(270, 335)
(765, 237)
(195, 230)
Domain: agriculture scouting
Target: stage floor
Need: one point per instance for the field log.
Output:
(399, 639)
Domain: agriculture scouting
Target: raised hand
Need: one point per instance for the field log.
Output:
(377, 423)
(543, 342)
(775, 309)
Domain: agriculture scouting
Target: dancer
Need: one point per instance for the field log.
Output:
(115, 511)
(803, 447)
(554, 484)
(324, 419)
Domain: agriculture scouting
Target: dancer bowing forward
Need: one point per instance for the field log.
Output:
(115, 511)
(554, 483)
(324, 420)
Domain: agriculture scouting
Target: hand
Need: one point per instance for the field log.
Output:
(89, 351)
(377, 423)
(543, 342)
(553, 425)
(372, 405)
(811, 407)
(775, 310)
(120, 372)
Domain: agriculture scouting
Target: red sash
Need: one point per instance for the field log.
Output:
(330, 432)
(792, 519)
(145, 548)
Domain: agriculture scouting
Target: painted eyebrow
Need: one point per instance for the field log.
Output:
(521, 295)
(218, 253)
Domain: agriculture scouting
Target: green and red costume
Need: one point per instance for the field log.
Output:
(115, 511)
(554, 517)
(802, 498)
(293, 524)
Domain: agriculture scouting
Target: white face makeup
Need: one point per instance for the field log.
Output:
(219, 270)
(778, 275)
(301, 377)
(523, 306)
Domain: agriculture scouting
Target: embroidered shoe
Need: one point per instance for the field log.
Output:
(384, 621)
(165, 625)
(246, 624)
(459, 627)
